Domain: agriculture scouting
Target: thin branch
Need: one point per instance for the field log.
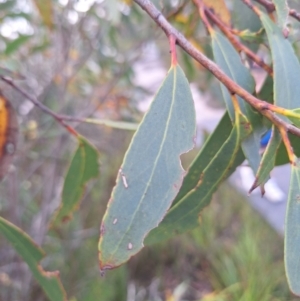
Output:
(261, 106)
(270, 7)
(39, 105)
(62, 118)
(235, 42)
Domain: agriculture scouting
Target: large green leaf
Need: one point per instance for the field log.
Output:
(268, 159)
(230, 62)
(208, 151)
(292, 232)
(84, 166)
(185, 214)
(151, 173)
(285, 65)
(32, 255)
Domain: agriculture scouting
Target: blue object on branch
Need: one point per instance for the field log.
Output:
(265, 138)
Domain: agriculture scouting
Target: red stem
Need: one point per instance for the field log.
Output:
(172, 41)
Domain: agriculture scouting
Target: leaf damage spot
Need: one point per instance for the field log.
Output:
(246, 125)
(200, 180)
(123, 178)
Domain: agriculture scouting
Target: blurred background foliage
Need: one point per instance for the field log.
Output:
(91, 58)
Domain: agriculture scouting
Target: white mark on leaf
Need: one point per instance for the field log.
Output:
(115, 221)
(130, 246)
(123, 178)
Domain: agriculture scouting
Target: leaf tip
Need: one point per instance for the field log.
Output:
(254, 186)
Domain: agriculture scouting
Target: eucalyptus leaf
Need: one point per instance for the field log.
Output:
(32, 255)
(286, 66)
(151, 174)
(268, 159)
(230, 62)
(84, 167)
(292, 233)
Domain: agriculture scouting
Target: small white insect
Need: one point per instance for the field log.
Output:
(130, 246)
(115, 221)
(123, 178)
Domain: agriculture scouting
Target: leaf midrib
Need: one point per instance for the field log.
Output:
(153, 169)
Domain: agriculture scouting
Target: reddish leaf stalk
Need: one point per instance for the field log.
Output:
(172, 42)
(201, 7)
(287, 144)
(236, 104)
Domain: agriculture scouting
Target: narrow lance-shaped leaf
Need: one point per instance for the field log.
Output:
(32, 255)
(292, 233)
(285, 65)
(267, 162)
(184, 215)
(151, 173)
(84, 166)
(230, 62)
